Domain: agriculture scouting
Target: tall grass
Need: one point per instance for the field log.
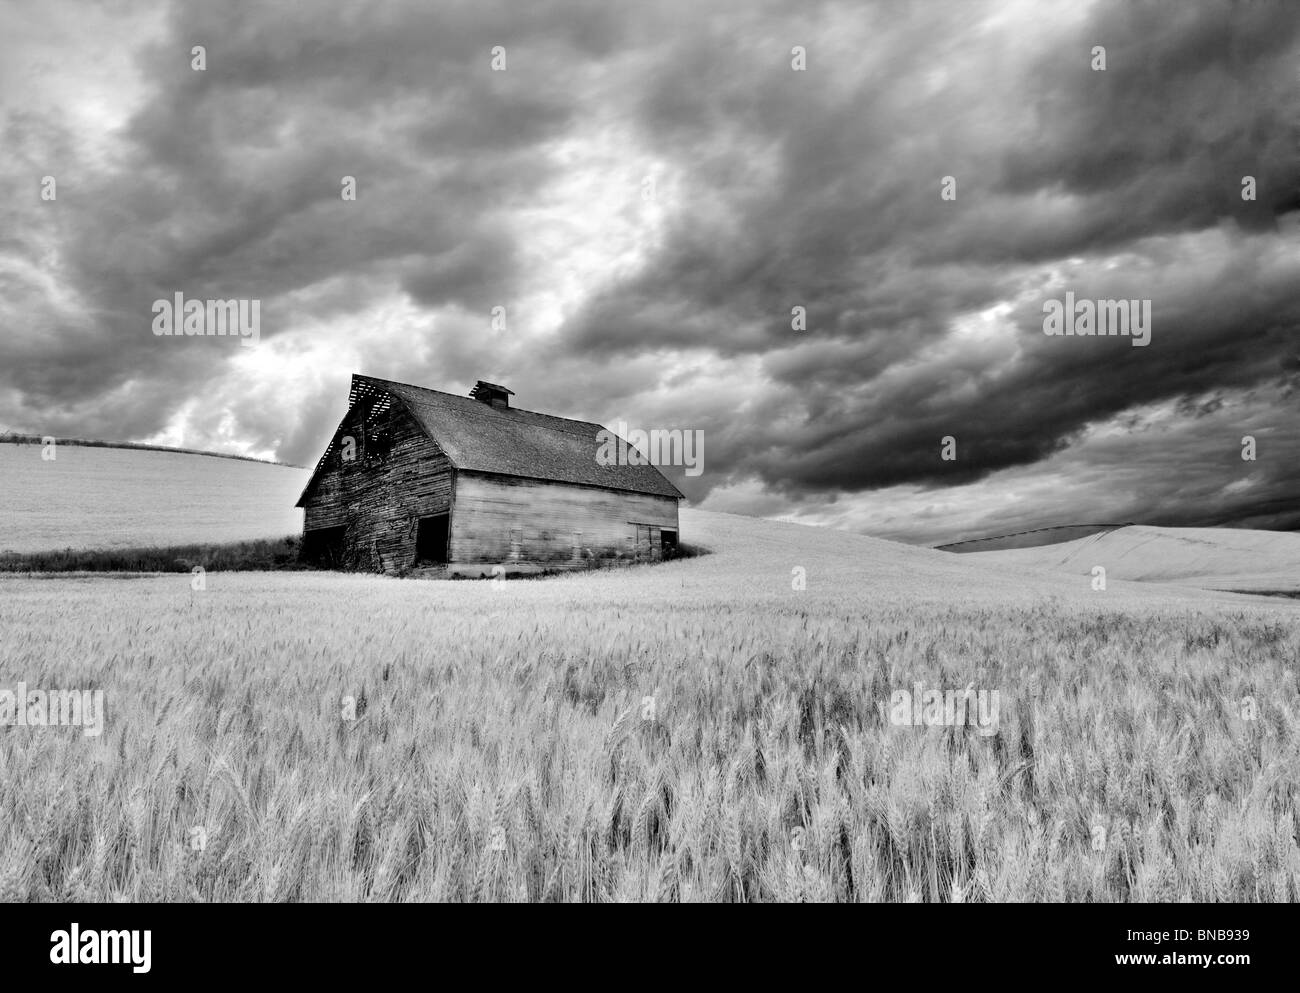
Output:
(503, 748)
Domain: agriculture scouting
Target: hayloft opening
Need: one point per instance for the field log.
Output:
(431, 539)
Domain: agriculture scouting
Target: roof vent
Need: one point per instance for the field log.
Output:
(491, 394)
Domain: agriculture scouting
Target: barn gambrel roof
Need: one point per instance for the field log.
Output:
(478, 437)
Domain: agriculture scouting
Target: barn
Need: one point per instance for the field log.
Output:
(414, 477)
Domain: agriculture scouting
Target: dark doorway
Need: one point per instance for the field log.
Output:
(323, 547)
(431, 539)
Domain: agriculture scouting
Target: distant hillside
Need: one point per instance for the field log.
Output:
(752, 556)
(10, 438)
(1211, 558)
(113, 498)
(100, 497)
(1028, 539)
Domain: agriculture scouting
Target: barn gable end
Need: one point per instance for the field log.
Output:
(376, 488)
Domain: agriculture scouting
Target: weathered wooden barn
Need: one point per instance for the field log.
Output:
(416, 477)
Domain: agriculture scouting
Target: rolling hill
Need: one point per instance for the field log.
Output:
(108, 498)
(1027, 539)
(121, 498)
(1210, 558)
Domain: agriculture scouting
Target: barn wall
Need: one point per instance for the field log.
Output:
(504, 519)
(381, 494)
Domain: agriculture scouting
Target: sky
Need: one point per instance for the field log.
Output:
(616, 209)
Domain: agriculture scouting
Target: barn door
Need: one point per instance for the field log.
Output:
(431, 539)
(646, 542)
(324, 547)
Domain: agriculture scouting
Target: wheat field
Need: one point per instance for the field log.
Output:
(693, 731)
(119, 497)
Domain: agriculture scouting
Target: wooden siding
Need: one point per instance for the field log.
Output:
(506, 519)
(398, 476)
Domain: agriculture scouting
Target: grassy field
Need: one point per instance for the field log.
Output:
(123, 498)
(698, 730)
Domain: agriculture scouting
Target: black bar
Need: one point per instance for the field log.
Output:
(330, 943)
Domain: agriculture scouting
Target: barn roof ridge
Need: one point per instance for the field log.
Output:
(459, 396)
